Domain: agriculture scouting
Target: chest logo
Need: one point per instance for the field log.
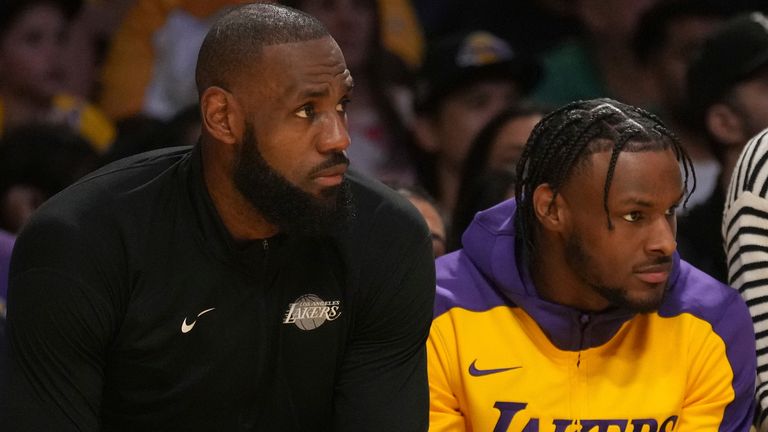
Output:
(474, 371)
(309, 312)
(185, 328)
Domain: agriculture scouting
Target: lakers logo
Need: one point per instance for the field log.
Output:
(309, 312)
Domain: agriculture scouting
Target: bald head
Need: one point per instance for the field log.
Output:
(236, 40)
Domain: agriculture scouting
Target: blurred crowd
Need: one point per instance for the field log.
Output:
(446, 93)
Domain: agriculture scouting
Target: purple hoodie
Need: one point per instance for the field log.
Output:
(6, 246)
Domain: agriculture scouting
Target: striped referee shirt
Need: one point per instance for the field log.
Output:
(745, 230)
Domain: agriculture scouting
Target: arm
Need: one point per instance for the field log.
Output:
(58, 329)
(382, 384)
(721, 380)
(745, 230)
(444, 411)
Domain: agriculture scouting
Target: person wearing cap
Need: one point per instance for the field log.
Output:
(745, 217)
(466, 79)
(727, 90)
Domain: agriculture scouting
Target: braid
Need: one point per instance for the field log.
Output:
(566, 137)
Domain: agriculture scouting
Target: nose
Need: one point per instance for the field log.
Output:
(661, 239)
(334, 136)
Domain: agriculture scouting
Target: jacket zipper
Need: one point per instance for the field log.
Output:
(584, 320)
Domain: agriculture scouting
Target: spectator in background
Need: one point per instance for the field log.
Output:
(728, 92)
(6, 247)
(667, 38)
(488, 174)
(382, 145)
(745, 230)
(465, 81)
(36, 162)
(89, 36)
(140, 134)
(32, 36)
(427, 206)
(150, 65)
(599, 62)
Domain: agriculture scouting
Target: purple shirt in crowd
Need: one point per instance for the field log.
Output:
(6, 246)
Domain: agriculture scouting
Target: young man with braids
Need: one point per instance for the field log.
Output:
(589, 319)
(250, 283)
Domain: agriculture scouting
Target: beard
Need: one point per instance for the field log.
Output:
(582, 264)
(285, 205)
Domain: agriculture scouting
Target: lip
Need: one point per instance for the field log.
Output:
(331, 176)
(654, 274)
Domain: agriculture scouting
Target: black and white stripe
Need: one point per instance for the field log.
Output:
(745, 231)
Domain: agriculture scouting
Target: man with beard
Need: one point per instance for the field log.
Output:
(590, 320)
(250, 283)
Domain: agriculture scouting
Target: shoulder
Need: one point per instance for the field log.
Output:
(698, 294)
(114, 191)
(387, 247)
(379, 210)
(460, 284)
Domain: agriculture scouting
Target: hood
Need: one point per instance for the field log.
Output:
(490, 249)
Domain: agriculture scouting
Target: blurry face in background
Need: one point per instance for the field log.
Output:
(434, 223)
(351, 22)
(614, 18)
(463, 113)
(29, 52)
(749, 99)
(509, 142)
(18, 204)
(684, 37)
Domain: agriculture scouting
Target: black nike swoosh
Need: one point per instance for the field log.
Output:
(474, 371)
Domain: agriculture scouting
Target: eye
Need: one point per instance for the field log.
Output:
(671, 211)
(633, 216)
(342, 106)
(307, 111)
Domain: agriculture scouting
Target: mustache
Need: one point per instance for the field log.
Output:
(337, 158)
(658, 261)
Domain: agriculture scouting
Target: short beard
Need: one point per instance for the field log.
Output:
(285, 205)
(581, 261)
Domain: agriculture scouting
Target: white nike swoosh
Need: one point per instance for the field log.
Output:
(185, 328)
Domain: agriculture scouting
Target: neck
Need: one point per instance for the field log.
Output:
(555, 282)
(730, 159)
(243, 221)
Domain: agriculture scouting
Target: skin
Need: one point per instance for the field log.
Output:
(29, 54)
(295, 97)
(590, 267)
(434, 222)
(459, 118)
(684, 37)
(18, 204)
(751, 104)
(510, 141)
(352, 24)
(742, 116)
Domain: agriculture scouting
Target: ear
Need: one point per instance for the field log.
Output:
(552, 214)
(222, 115)
(424, 131)
(725, 125)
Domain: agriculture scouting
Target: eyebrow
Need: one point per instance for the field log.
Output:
(314, 93)
(645, 203)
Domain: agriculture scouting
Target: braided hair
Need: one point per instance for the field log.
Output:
(565, 138)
